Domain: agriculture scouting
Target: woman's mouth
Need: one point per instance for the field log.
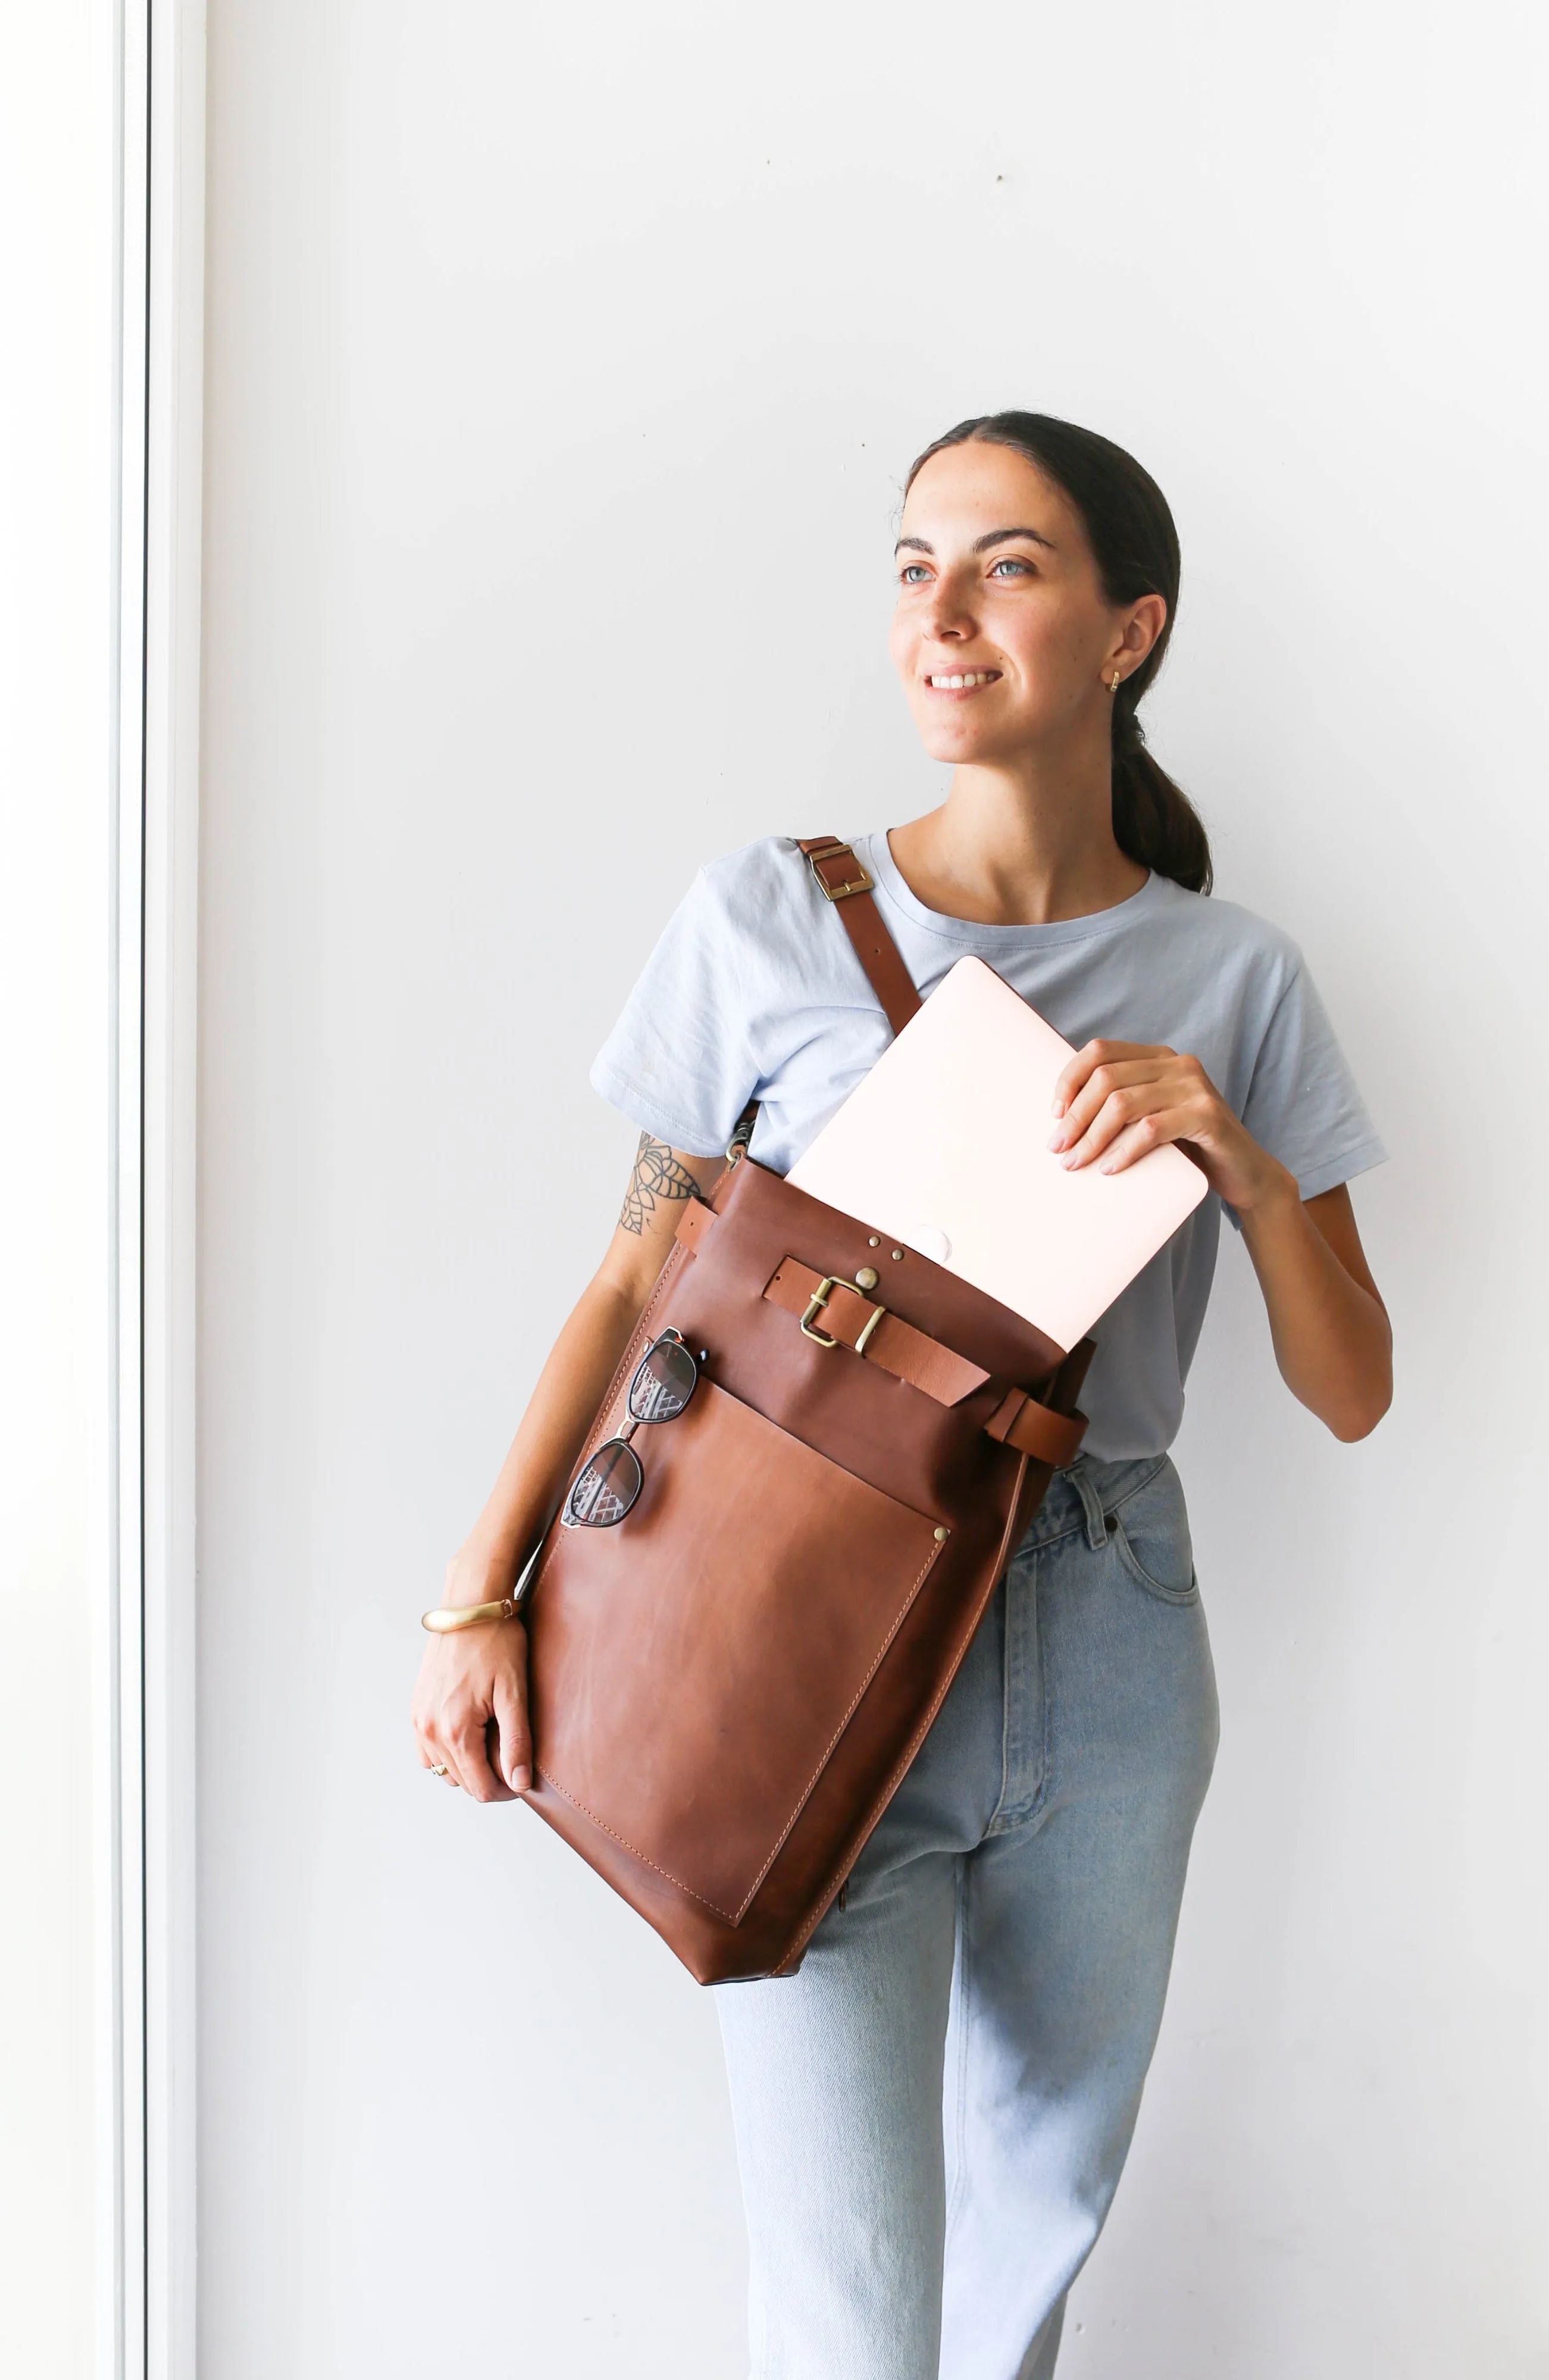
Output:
(961, 681)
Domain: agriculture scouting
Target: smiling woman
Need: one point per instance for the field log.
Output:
(1023, 1883)
(1088, 511)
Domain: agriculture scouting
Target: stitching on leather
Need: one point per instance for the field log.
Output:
(786, 1965)
(734, 1917)
(635, 1852)
(827, 1754)
(924, 1729)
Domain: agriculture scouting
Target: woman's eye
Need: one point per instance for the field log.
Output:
(913, 573)
(1011, 568)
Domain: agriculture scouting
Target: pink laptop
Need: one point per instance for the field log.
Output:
(944, 1148)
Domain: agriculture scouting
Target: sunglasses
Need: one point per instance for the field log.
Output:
(610, 1479)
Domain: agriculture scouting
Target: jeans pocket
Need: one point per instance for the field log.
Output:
(1149, 1532)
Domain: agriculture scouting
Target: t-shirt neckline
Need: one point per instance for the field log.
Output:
(877, 858)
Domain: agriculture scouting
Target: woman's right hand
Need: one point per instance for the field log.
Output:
(465, 1680)
(478, 1675)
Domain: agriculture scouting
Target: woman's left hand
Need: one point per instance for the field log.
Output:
(1119, 1100)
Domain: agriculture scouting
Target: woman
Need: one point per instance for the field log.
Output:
(1002, 1950)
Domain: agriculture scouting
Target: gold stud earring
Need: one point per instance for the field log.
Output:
(1117, 683)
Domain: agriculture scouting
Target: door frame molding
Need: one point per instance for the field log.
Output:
(146, 1821)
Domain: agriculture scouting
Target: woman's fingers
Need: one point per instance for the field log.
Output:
(1122, 1100)
(1138, 1139)
(1084, 1064)
(1114, 1074)
(430, 1733)
(432, 1758)
(510, 1711)
(470, 1711)
(455, 1742)
(1137, 1106)
(470, 1742)
(437, 1758)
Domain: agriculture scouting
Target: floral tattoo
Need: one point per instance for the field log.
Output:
(658, 1178)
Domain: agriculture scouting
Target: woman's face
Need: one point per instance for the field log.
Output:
(1002, 636)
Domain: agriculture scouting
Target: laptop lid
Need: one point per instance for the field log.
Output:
(945, 1148)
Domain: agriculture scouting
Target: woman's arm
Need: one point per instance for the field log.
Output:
(480, 1673)
(1332, 1340)
(1116, 1100)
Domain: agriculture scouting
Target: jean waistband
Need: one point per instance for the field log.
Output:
(1082, 1495)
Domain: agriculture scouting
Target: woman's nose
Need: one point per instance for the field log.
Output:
(946, 618)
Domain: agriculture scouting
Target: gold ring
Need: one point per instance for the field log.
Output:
(438, 1768)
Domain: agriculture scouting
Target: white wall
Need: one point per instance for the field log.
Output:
(563, 369)
(57, 429)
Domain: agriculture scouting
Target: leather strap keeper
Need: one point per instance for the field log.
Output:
(1021, 1421)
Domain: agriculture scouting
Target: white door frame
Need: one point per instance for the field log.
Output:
(146, 2132)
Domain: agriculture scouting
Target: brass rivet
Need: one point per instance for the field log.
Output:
(867, 1276)
(897, 1255)
(941, 1535)
(873, 1241)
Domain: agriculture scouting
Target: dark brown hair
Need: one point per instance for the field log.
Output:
(1134, 541)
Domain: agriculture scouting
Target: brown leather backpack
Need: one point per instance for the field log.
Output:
(727, 1687)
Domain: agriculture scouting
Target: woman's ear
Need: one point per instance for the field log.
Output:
(1143, 623)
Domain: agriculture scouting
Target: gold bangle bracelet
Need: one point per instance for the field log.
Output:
(446, 1622)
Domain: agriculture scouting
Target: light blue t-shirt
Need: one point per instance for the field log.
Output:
(754, 992)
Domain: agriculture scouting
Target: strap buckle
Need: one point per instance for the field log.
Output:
(860, 882)
(832, 1281)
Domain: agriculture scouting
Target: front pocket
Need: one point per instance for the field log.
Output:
(1149, 1530)
(694, 1667)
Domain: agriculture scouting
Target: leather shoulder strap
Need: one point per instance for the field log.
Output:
(840, 878)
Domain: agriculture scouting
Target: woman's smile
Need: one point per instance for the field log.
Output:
(962, 681)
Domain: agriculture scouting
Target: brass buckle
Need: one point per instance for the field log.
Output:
(820, 1299)
(861, 883)
(832, 1281)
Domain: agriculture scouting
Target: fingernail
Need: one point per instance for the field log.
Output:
(1069, 1159)
(520, 1781)
(1060, 1107)
(1056, 1140)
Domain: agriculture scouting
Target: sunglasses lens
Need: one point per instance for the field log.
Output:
(664, 1383)
(605, 1489)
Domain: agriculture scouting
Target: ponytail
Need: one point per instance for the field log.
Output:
(1134, 541)
(1155, 821)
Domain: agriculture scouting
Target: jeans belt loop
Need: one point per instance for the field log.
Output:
(1092, 1504)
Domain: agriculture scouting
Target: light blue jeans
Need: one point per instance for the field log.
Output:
(932, 2115)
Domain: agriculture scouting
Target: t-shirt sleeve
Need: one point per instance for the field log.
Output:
(1302, 1103)
(678, 1062)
